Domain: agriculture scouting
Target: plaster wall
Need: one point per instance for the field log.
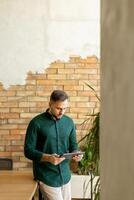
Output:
(34, 33)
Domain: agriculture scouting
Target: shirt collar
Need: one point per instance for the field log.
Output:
(50, 115)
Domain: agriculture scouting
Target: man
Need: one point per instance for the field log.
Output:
(49, 135)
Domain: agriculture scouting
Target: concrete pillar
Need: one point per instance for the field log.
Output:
(117, 100)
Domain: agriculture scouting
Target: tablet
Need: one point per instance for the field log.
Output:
(70, 155)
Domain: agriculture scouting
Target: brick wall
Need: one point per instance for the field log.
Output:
(20, 103)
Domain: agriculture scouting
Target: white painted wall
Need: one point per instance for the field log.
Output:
(34, 33)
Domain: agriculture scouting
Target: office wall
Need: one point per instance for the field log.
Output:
(34, 33)
(117, 100)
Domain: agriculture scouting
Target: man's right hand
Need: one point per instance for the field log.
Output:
(52, 158)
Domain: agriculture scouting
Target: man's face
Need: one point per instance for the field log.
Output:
(58, 108)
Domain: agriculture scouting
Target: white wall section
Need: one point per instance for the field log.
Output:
(34, 33)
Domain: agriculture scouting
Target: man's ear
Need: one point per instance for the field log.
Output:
(50, 103)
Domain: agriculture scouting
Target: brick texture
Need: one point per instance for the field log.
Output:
(20, 103)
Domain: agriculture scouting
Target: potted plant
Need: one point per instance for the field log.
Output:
(89, 165)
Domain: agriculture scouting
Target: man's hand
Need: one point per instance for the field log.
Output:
(52, 158)
(77, 158)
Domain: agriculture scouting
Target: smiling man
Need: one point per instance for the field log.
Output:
(49, 135)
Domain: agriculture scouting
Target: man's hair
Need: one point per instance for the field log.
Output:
(58, 95)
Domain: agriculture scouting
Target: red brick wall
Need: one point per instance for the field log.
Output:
(20, 103)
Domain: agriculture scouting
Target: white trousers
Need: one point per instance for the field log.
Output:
(56, 193)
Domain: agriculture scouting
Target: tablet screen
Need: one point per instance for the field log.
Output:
(70, 155)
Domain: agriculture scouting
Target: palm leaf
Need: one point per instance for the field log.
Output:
(90, 144)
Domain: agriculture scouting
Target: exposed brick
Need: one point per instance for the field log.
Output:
(36, 110)
(67, 82)
(1, 86)
(77, 76)
(81, 65)
(42, 93)
(57, 65)
(42, 104)
(94, 77)
(83, 116)
(27, 104)
(65, 71)
(86, 88)
(17, 142)
(85, 104)
(9, 115)
(17, 121)
(51, 71)
(78, 121)
(80, 99)
(31, 82)
(75, 59)
(72, 104)
(56, 76)
(4, 110)
(31, 87)
(36, 76)
(79, 110)
(5, 142)
(12, 137)
(3, 99)
(49, 88)
(73, 87)
(4, 132)
(2, 148)
(71, 93)
(3, 121)
(17, 154)
(9, 104)
(20, 103)
(22, 126)
(92, 59)
(8, 126)
(27, 115)
(9, 93)
(15, 148)
(17, 98)
(72, 115)
(19, 110)
(25, 93)
(46, 82)
(91, 65)
(34, 99)
(71, 65)
(15, 132)
(93, 98)
(86, 93)
(18, 165)
(5, 154)
(86, 71)
(16, 87)
(23, 159)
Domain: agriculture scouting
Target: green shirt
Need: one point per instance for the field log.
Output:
(47, 135)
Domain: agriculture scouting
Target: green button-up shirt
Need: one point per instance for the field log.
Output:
(47, 135)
